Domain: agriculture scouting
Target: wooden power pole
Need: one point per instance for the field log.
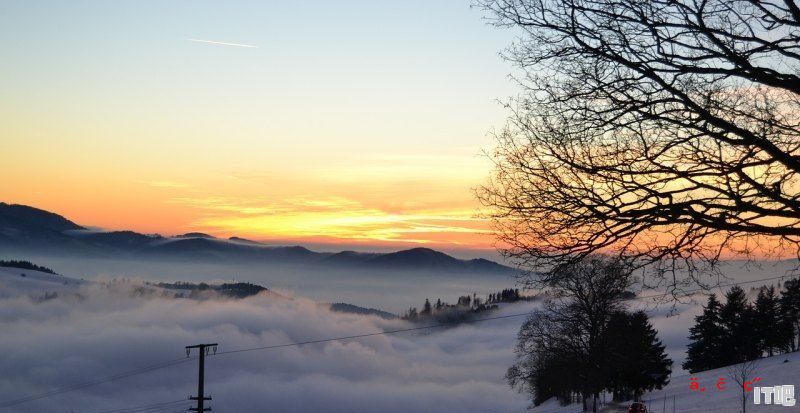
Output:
(203, 349)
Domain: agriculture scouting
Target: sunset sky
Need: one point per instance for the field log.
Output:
(356, 122)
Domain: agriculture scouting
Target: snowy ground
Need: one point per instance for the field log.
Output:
(678, 397)
(18, 281)
(673, 328)
(773, 371)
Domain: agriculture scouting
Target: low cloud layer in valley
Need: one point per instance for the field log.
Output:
(99, 329)
(96, 328)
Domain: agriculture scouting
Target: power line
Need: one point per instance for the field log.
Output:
(95, 382)
(400, 330)
(690, 292)
(474, 320)
(149, 408)
(317, 341)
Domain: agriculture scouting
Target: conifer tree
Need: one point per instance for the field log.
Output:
(769, 321)
(738, 320)
(636, 360)
(706, 337)
(790, 312)
(426, 308)
(649, 367)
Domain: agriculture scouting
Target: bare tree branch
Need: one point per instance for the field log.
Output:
(662, 130)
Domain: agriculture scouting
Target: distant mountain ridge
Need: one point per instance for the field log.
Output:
(354, 309)
(28, 228)
(23, 224)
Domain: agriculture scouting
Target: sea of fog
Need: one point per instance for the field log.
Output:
(109, 327)
(393, 291)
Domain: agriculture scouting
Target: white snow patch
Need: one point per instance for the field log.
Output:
(20, 281)
(777, 370)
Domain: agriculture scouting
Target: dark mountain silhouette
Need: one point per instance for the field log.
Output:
(414, 259)
(121, 240)
(194, 235)
(425, 257)
(33, 219)
(354, 309)
(244, 240)
(349, 258)
(205, 248)
(25, 228)
(23, 225)
(190, 248)
(429, 259)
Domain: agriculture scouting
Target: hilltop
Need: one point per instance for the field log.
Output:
(24, 228)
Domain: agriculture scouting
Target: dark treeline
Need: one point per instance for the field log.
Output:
(26, 265)
(466, 306)
(584, 341)
(233, 290)
(626, 358)
(737, 330)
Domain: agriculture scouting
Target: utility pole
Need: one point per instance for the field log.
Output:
(203, 349)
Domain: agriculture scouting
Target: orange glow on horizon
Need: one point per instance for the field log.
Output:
(308, 140)
(412, 201)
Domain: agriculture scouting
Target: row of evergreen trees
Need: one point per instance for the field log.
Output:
(26, 265)
(737, 330)
(465, 305)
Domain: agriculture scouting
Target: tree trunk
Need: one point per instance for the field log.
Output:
(744, 401)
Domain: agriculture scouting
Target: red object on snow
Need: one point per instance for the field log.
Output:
(637, 408)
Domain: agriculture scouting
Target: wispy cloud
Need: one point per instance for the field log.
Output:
(231, 205)
(334, 217)
(222, 43)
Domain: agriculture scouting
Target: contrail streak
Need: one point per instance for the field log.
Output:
(223, 43)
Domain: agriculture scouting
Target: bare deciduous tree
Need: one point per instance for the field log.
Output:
(569, 331)
(743, 373)
(667, 131)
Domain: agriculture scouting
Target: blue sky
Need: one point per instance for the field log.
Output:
(134, 126)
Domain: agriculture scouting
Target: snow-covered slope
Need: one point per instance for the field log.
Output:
(777, 370)
(18, 281)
